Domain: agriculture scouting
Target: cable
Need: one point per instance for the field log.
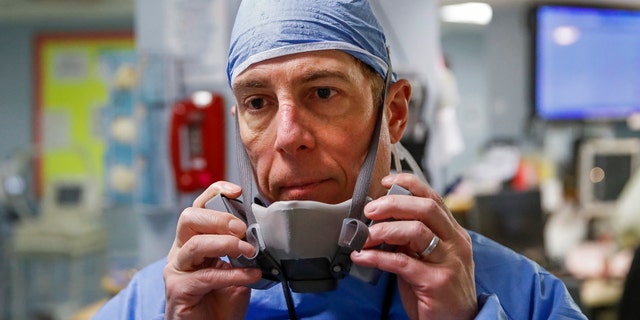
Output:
(285, 284)
(287, 297)
(388, 296)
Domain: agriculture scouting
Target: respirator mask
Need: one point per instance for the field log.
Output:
(305, 245)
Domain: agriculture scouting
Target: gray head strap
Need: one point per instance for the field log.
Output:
(244, 166)
(364, 178)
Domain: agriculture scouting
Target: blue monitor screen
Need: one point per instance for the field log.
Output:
(587, 63)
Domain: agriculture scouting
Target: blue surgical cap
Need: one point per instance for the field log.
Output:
(269, 29)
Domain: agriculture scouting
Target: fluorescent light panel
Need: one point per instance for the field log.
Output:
(468, 12)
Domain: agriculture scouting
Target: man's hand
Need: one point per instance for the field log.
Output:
(200, 285)
(436, 285)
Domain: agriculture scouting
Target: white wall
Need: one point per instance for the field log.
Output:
(508, 56)
(465, 48)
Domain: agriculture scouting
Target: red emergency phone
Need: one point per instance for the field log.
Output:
(198, 141)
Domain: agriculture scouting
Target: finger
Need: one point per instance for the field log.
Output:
(203, 281)
(412, 270)
(194, 221)
(220, 187)
(410, 235)
(225, 277)
(413, 184)
(417, 188)
(202, 247)
(401, 207)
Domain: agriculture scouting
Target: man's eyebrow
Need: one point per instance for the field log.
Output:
(323, 74)
(249, 83)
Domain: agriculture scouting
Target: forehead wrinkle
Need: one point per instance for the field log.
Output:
(252, 83)
(324, 74)
(310, 76)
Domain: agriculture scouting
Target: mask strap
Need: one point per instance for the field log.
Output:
(244, 168)
(363, 182)
(397, 162)
(401, 153)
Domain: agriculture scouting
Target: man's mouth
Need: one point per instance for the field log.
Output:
(302, 190)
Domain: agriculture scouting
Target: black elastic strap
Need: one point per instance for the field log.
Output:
(392, 280)
(291, 309)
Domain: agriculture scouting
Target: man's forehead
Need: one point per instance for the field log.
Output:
(305, 67)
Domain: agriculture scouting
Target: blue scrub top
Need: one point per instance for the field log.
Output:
(508, 285)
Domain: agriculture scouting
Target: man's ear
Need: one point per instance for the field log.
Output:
(398, 110)
(233, 111)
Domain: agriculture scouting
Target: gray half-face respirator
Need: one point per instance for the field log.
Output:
(306, 243)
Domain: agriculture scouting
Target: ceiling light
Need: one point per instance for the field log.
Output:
(469, 12)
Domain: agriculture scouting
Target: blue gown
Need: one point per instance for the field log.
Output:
(508, 285)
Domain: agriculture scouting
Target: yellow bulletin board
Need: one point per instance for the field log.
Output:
(71, 87)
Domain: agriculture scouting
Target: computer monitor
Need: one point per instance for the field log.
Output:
(605, 166)
(585, 62)
(513, 218)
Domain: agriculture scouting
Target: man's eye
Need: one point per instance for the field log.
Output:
(256, 103)
(324, 93)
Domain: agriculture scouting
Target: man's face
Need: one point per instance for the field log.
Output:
(306, 121)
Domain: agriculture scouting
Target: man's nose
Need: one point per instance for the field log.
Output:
(293, 134)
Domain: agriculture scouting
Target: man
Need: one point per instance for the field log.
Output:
(308, 78)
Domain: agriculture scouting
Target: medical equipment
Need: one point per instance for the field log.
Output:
(605, 167)
(59, 256)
